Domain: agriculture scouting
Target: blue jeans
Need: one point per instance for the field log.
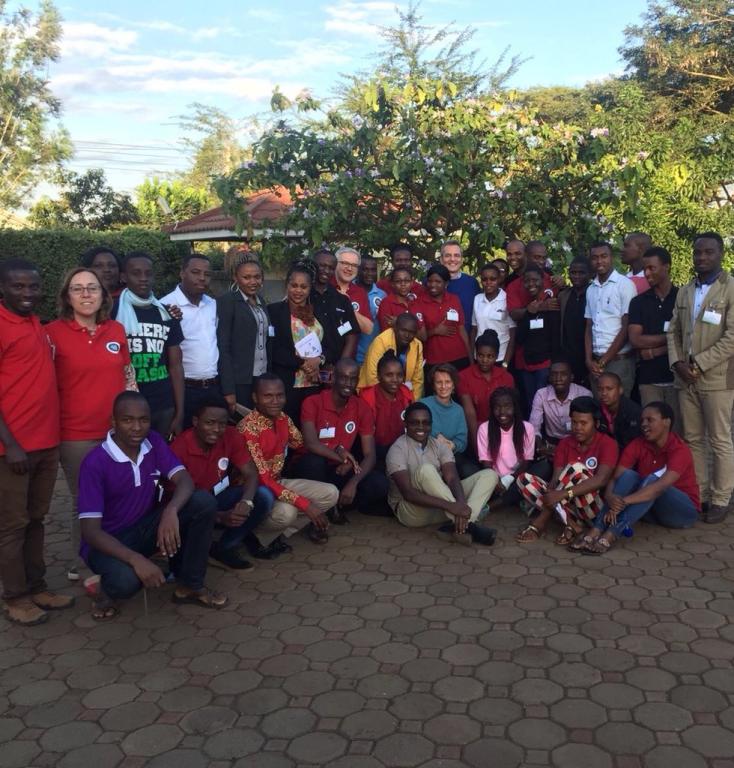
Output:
(673, 509)
(196, 523)
(263, 503)
(531, 382)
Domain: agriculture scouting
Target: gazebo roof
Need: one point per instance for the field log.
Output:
(265, 208)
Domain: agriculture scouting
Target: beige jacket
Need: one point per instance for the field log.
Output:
(710, 345)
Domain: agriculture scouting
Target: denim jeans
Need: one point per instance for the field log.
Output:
(263, 504)
(196, 522)
(531, 382)
(673, 509)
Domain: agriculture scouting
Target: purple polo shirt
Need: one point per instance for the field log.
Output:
(120, 491)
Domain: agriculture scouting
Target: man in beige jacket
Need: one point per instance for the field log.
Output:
(701, 352)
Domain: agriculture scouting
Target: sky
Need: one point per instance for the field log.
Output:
(127, 73)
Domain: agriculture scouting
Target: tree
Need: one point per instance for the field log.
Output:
(86, 201)
(30, 150)
(183, 201)
(684, 49)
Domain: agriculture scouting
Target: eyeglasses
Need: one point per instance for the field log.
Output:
(350, 264)
(78, 290)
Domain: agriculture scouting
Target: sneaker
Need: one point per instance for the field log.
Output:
(229, 559)
(72, 574)
(716, 513)
(482, 534)
(25, 612)
(280, 546)
(50, 601)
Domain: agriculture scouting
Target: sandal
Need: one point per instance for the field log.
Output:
(206, 598)
(599, 546)
(581, 542)
(567, 535)
(528, 534)
(104, 609)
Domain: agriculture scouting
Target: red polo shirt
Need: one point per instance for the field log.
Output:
(479, 389)
(645, 458)
(519, 298)
(358, 296)
(391, 306)
(416, 289)
(602, 450)
(207, 467)
(388, 413)
(430, 312)
(90, 373)
(29, 400)
(334, 427)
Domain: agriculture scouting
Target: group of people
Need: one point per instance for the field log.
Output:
(196, 431)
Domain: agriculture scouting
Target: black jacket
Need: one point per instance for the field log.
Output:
(284, 361)
(334, 310)
(626, 422)
(236, 337)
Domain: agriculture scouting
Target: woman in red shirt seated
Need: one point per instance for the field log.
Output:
(400, 300)
(442, 329)
(654, 479)
(477, 382)
(388, 399)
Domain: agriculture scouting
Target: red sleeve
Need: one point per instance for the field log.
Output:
(463, 388)
(121, 338)
(236, 448)
(310, 409)
(515, 295)
(363, 304)
(381, 312)
(506, 379)
(460, 310)
(631, 454)
(609, 452)
(560, 455)
(366, 420)
(417, 310)
(178, 446)
(680, 460)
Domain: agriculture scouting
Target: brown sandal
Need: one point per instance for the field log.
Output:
(206, 598)
(581, 542)
(599, 546)
(528, 534)
(104, 609)
(567, 535)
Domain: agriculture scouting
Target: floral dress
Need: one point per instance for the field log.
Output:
(299, 330)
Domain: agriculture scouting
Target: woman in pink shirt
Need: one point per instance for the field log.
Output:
(506, 443)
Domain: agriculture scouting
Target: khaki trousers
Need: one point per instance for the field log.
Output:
(707, 419)
(71, 453)
(477, 488)
(649, 393)
(24, 503)
(286, 519)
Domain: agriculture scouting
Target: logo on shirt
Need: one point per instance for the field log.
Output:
(113, 346)
(592, 462)
(419, 315)
(349, 427)
(402, 415)
(378, 301)
(223, 463)
(412, 297)
(355, 306)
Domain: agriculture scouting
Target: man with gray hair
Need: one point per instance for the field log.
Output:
(347, 264)
(464, 286)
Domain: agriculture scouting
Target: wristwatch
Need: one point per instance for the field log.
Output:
(249, 503)
(569, 494)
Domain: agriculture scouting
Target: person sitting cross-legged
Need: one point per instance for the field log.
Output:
(583, 462)
(425, 488)
(269, 433)
(331, 422)
(655, 479)
(122, 525)
(214, 455)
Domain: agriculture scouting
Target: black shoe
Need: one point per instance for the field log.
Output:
(316, 535)
(337, 516)
(481, 534)
(228, 559)
(280, 546)
(716, 513)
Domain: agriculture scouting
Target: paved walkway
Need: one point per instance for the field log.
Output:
(390, 648)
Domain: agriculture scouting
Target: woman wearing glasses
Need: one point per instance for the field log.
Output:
(92, 367)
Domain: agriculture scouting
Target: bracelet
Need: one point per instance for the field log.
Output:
(569, 494)
(250, 503)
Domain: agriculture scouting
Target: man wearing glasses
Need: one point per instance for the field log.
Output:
(347, 265)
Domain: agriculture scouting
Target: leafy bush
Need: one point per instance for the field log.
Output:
(55, 251)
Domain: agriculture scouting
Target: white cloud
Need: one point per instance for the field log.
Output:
(362, 19)
(93, 40)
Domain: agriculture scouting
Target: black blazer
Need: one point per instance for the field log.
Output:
(236, 337)
(284, 360)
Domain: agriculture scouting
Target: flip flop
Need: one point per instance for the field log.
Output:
(205, 598)
(529, 534)
(104, 609)
(567, 536)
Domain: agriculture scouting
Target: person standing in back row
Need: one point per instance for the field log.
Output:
(464, 286)
(607, 308)
(701, 352)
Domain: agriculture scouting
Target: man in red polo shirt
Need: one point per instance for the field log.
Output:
(29, 445)
(216, 457)
(331, 422)
(655, 479)
(347, 265)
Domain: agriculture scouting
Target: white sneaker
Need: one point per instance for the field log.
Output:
(73, 574)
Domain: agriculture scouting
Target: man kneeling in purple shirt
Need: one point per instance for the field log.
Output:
(122, 523)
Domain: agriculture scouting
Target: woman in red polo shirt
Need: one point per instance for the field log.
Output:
(92, 367)
(388, 399)
(442, 328)
(477, 382)
(400, 300)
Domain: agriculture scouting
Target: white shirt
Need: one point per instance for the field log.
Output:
(606, 304)
(199, 325)
(493, 315)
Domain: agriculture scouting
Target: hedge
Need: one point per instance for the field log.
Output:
(55, 251)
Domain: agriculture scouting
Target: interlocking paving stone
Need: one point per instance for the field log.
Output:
(388, 648)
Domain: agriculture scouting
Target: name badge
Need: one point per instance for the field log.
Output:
(345, 327)
(536, 323)
(452, 314)
(271, 331)
(568, 426)
(327, 433)
(222, 485)
(666, 326)
(408, 384)
(711, 317)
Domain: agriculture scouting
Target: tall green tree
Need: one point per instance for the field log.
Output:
(165, 202)
(31, 150)
(86, 200)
